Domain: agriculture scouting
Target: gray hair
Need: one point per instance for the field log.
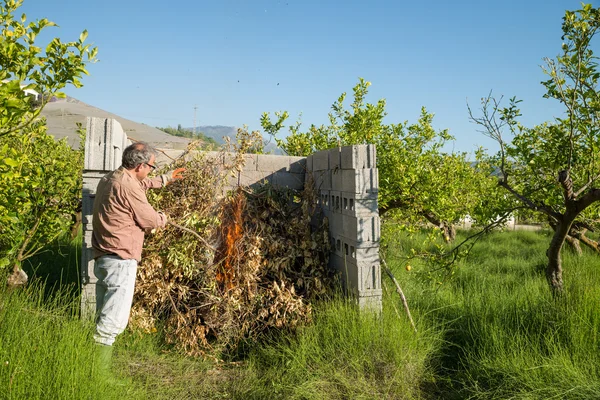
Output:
(136, 154)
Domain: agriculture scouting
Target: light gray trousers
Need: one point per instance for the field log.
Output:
(114, 295)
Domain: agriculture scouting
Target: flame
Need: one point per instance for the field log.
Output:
(228, 253)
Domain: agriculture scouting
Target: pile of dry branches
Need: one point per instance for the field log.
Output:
(229, 268)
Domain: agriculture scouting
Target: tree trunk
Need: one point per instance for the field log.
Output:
(586, 240)
(572, 238)
(17, 278)
(554, 268)
(574, 243)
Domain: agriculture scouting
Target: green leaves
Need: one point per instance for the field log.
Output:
(10, 162)
(41, 178)
(416, 178)
(22, 63)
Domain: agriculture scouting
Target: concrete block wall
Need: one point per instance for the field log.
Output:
(104, 144)
(347, 181)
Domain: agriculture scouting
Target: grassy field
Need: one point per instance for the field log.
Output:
(492, 331)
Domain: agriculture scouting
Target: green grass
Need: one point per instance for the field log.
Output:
(505, 335)
(493, 331)
(345, 354)
(46, 352)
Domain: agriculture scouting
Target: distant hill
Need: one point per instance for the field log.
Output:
(217, 132)
(63, 114)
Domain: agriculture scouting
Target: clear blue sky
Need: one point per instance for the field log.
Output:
(235, 59)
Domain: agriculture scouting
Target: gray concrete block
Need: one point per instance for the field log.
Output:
(361, 229)
(337, 180)
(309, 163)
(358, 278)
(320, 160)
(104, 144)
(335, 201)
(272, 163)
(88, 301)
(357, 205)
(359, 251)
(358, 156)
(336, 224)
(322, 179)
(335, 158)
(289, 180)
(370, 303)
(87, 203)
(249, 178)
(90, 184)
(86, 219)
(298, 165)
(360, 181)
(348, 273)
(323, 200)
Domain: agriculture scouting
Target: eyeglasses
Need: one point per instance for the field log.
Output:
(151, 166)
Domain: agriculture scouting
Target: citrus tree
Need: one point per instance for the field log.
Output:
(41, 177)
(554, 168)
(418, 182)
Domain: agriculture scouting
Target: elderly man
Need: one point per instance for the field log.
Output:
(121, 216)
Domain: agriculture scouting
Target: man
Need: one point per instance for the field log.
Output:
(121, 216)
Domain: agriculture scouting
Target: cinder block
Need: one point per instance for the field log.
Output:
(370, 303)
(358, 156)
(87, 266)
(357, 251)
(335, 158)
(104, 144)
(322, 179)
(335, 201)
(361, 229)
(348, 273)
(323, 200)
(272, 163)
(309, 163)
(90, 184)
(358, 278)
(298, 165)
(336, 224)
(289, 180)
(87, 204)
(249, 178)
(337, 181)
(360, 181)
(320, 160)
(356, 205)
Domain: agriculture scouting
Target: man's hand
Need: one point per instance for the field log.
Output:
(171, 176)
(176, 175)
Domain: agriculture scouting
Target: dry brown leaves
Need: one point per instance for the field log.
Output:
(257, 268)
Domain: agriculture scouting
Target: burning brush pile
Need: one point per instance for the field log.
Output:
(229, 268)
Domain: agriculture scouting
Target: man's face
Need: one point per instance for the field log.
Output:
(142, 170)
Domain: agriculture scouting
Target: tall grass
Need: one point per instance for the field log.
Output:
(345, 354)
(493, 331)
(506, 336)
(46, 352)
